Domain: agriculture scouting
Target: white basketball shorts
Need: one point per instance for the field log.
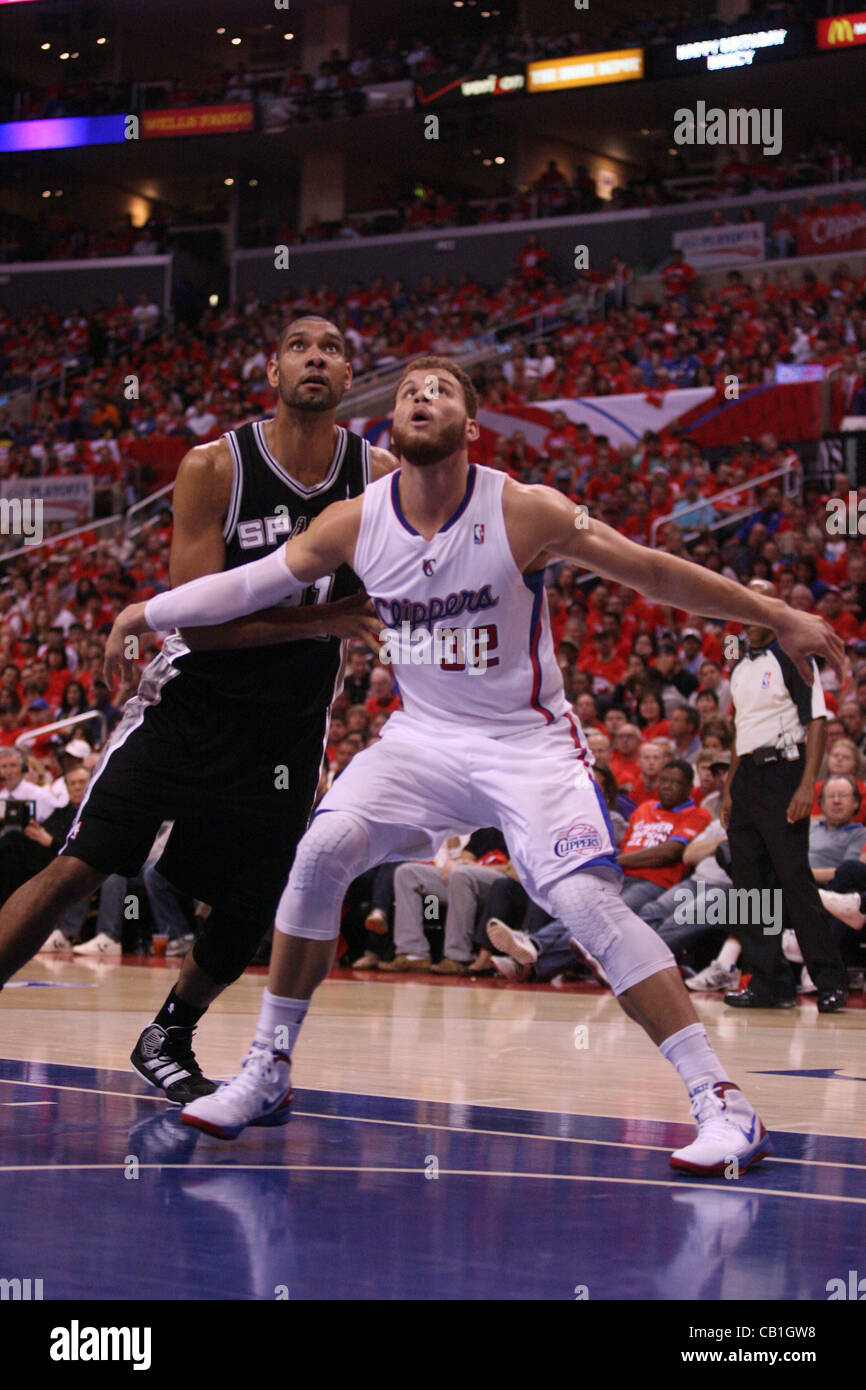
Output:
(534, 785)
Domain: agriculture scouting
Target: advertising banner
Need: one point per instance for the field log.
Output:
(68, 500)
(454, 91)
(843, 31)
(832, 232)
(586, 70)
(198, 120)
(713, 246)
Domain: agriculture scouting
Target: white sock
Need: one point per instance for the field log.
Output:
(690, 1052)
(730, 953)
(280, 1022)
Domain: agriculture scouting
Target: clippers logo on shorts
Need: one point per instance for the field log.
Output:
(253, 534)
(582, 839)
(478, 533)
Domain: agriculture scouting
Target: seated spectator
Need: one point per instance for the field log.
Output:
(356, 682)
(458, 883)
(623, 761)
(24, 853)
(18, 787)
(651, 853)
(683, 726)
(383, 699)
(377, 885)
(843, 760)
(711, 770)
(650, 717)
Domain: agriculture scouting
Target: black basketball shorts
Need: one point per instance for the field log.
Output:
(238, 780)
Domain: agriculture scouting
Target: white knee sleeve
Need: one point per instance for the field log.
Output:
(595, 914)
(334, 851)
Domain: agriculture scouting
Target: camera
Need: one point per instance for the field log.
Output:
(15, 815)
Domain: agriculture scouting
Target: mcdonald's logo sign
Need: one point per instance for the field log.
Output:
(842, 31)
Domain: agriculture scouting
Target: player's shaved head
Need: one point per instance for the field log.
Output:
(297, 326)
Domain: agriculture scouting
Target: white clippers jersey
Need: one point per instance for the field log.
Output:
(469, 635)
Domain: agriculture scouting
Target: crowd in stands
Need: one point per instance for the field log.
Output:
(552, 194)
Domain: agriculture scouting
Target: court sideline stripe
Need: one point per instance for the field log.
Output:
(418, 1171)
(448, 1129)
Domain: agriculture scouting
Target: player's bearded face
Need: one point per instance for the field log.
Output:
(313, 389)
(428, 429)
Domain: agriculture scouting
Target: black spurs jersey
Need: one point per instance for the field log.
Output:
(267, 507)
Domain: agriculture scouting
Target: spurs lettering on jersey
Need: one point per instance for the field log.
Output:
(271, 529)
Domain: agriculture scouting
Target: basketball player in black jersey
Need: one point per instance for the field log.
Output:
(226, 734)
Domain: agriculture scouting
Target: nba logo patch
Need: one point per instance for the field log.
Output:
(478, 533)
(428, 567)
(765, 680)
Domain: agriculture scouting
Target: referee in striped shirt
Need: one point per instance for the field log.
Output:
(780, 735)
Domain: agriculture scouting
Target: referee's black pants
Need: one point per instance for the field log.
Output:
(767, 852)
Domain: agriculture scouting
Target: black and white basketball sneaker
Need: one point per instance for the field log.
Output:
(164, 1057)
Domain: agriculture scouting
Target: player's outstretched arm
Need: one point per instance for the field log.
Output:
(218, 598)
(543, 525)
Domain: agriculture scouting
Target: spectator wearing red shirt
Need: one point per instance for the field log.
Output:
(533, 261)
(623, 759)
(605, 665)
(843, 760)
(10, 728)
(586, 709)
(651, 758)
(840, 619)
(650, 717)
(651, 854)
(604, 482)
(785, 232)
(678, 276)
(559, 436)
(383, 698)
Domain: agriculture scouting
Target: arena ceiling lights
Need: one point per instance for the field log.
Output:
(585, 70)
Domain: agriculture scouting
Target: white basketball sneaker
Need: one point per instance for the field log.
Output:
(260, 1094)
(845, 906)
(730, 1138)
(99, 945)
(56, 942)
(515, 944)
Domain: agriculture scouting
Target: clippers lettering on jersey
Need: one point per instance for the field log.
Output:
(581, 839)
(254, 534)
(395, 612)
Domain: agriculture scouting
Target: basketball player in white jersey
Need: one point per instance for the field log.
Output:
(486, 736)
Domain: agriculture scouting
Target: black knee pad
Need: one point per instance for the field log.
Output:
(226, 944)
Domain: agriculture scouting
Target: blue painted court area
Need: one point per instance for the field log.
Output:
(343, 1202)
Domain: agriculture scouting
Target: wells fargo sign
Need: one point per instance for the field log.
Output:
(198, 120)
